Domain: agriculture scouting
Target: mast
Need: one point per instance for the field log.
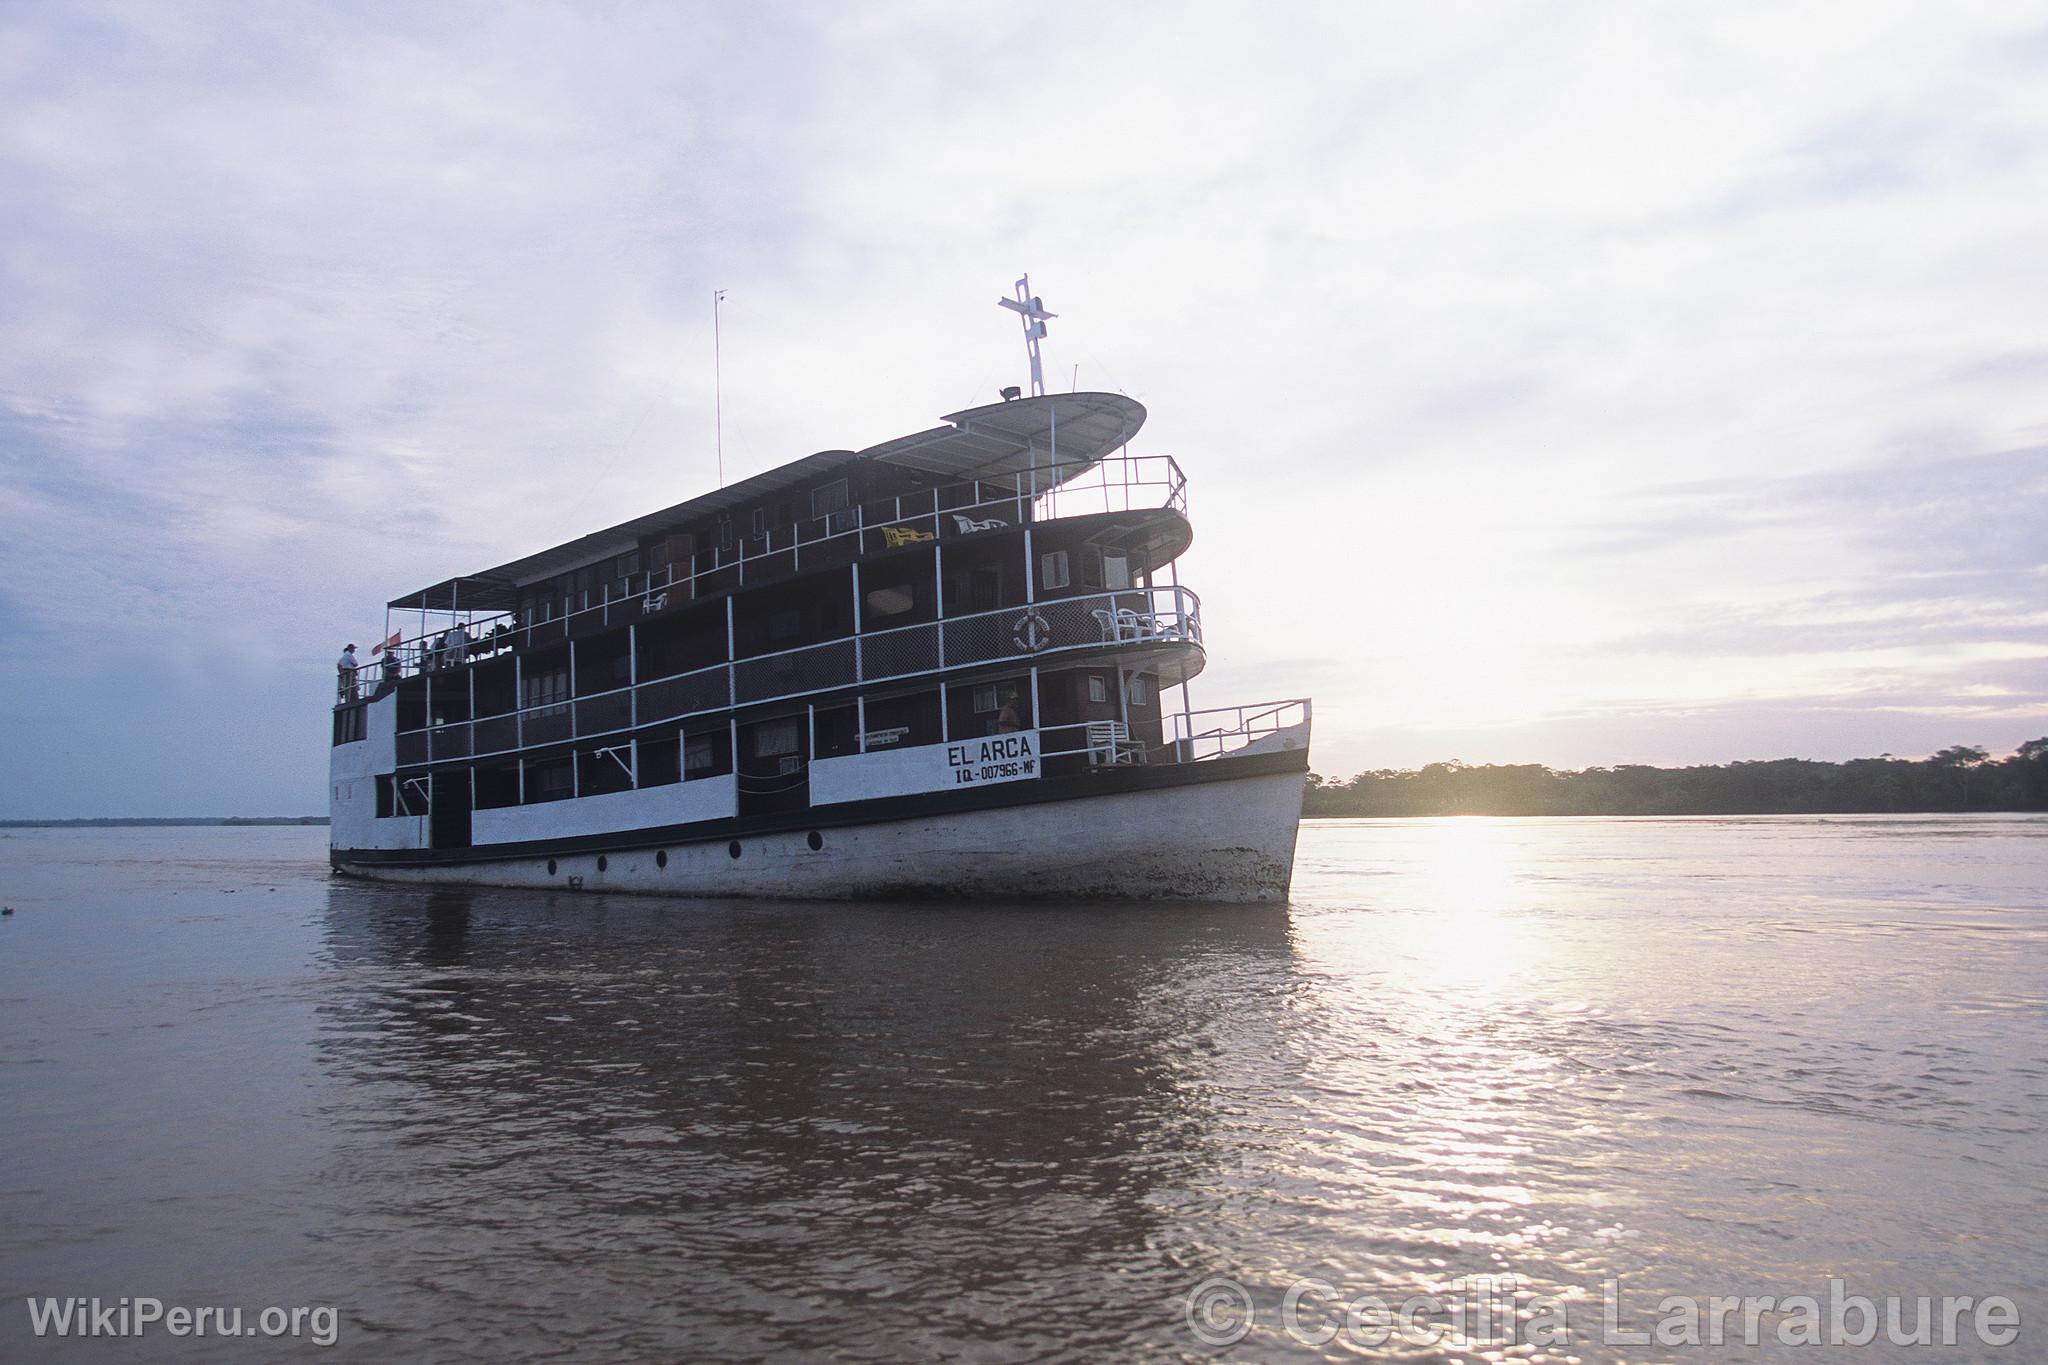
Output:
(718, 384)
(1031, 312)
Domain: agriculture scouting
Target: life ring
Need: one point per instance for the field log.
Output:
(1031, 632)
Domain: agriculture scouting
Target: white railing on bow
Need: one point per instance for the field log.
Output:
(1223, 730)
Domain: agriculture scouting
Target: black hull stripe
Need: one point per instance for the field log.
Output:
(922, 805)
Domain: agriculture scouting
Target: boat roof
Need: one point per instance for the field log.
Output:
(1065, 433)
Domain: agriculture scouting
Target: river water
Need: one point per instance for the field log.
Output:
(1582, 1064)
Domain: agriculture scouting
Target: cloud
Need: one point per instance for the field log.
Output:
(1531, 365)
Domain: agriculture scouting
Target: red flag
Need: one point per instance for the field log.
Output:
(391, 643)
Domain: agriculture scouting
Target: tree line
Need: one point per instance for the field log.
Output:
(1962, 778)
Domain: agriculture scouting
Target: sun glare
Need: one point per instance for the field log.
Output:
(1469, 937)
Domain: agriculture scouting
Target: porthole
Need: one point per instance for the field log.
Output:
(551, 867)
(816, 841)
(732, 849)
(661, 858)
(603, 862)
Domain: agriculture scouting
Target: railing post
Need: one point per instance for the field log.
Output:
(939, 597)
(859, 663)
(732, 681)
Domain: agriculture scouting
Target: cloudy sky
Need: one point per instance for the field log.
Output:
(1571, 383)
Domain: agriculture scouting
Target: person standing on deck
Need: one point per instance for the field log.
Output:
(345, 667)
(392, 669)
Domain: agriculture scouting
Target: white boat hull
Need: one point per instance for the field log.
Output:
(1219, 841)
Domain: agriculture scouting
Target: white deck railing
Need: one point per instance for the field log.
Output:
(1119, 484)
(1020, 635)
(1254, 727)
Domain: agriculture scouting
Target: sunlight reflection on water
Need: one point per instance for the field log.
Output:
(1703, 1056)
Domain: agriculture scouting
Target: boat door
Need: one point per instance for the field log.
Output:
(774, 769)
(448, 810)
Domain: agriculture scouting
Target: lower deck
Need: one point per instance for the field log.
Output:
(1220, 830)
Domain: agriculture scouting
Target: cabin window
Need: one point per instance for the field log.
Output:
(760, 521)
(1141, 690)
(1116, 571)
(698, 759)
(725, 532)
(830, 501)
(1052, 569)
(984, 699)
(548, 693)
(886, 602)
(675, 549)
(550, 780)
(349, 724)
(774, 738)
(1091, 567)
(1098, 690)
(986, 589)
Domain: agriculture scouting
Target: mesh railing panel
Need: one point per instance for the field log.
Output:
(799, 670)
(451, 741)
(595, 715)
(546, 727)
(704, 690)
(1022, 632)
(497, 732)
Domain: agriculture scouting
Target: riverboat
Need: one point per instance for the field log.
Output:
(945, 665)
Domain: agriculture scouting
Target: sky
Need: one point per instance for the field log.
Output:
(1580, 384)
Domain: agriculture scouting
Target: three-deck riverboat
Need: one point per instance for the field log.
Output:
(945, 665)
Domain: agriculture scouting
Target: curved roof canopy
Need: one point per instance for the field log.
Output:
(1059, 436)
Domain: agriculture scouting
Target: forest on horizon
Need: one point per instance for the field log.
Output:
(1961, 778)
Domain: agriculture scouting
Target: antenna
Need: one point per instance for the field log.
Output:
(1031, 310)
(718, 384)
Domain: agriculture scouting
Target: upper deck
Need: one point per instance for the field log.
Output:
(710, 546)
(1013, 450)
